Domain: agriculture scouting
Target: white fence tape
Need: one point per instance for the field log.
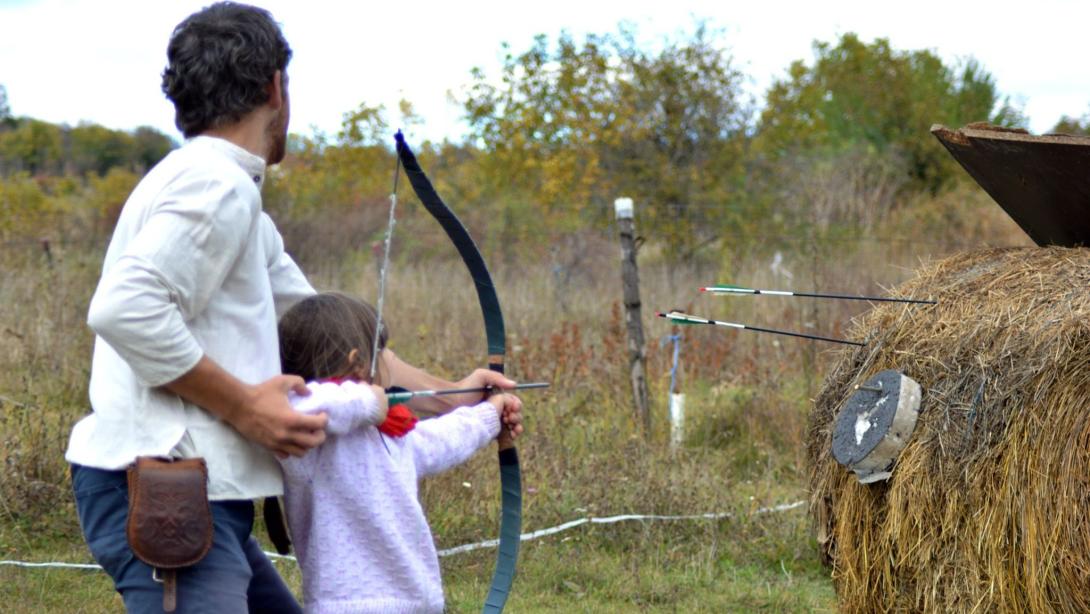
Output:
(492, 543)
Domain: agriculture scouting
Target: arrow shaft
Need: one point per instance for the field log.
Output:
(846, 297)
(687, 319)
(401, 397)
(849, 297)
(803, 335)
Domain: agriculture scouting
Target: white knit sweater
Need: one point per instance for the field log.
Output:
(360, 534)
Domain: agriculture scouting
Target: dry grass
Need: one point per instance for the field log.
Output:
(987, 507)
(747, 397)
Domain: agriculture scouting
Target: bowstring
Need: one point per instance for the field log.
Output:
(385, 267)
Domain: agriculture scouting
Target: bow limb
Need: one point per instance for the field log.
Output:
(510, 474)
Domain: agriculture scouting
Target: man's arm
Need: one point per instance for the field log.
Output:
(289, 285)
(169, 272)
(260, 413)
(396, 372)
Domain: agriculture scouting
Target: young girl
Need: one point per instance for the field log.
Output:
(360, 534)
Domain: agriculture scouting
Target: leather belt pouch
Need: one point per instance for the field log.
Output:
(170, 519)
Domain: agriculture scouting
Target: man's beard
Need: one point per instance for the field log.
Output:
(278, 138)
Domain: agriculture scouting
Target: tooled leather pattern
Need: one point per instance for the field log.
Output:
(173, 528)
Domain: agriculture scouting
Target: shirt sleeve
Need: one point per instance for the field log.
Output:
(451, 439)
(349, 405)
(289, 285)
(169, 272)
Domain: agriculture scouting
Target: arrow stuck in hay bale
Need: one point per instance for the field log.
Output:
(988, 506)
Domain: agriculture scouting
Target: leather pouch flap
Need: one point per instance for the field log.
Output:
(170, 518)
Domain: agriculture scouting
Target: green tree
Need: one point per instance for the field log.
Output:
(6, 119)
(32, 145)
(872, 97)
(95, 149)
(149, 146)
(569, 127)
(1073, 125)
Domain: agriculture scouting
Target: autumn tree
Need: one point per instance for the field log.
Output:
(43, 148)
(33, 146)
(334, 173)
(568, 127)
(331, 193)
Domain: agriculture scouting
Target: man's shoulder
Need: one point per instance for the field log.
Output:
(197, 161)
(195, 171)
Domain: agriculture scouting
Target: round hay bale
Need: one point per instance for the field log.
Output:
(988, 507)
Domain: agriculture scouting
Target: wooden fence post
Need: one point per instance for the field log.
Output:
(630, 277)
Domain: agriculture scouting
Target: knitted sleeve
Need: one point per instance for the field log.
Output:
(449, 440)
(349, 405)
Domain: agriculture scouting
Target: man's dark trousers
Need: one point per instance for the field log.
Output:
(235, 576)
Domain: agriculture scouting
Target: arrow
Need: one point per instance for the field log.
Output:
(728, 289)
(403, 396)
(684, 318)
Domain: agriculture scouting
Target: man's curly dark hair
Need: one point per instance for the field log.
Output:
(220, 61)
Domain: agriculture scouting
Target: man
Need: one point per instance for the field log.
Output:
(185, 361)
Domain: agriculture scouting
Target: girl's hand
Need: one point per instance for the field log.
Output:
(383, 402)
(510, 410)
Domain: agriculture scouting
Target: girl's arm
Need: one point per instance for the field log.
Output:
(401, 373)
(349, 405)
(449, 440)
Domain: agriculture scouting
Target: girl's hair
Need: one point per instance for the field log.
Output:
(319, 332)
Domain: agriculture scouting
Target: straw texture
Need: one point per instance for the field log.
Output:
(988, 508)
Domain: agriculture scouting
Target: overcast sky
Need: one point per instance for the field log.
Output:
(82, 60)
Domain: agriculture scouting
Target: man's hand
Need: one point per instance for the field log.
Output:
(269, 420)
(260, 413)
(481, 378)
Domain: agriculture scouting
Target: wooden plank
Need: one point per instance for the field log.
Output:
(1042, 182)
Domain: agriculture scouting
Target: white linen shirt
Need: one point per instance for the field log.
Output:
(194, 268)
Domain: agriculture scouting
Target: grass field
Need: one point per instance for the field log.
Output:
(737, 565)
(747, 399)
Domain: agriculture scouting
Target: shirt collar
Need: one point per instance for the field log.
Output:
(254, 166)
